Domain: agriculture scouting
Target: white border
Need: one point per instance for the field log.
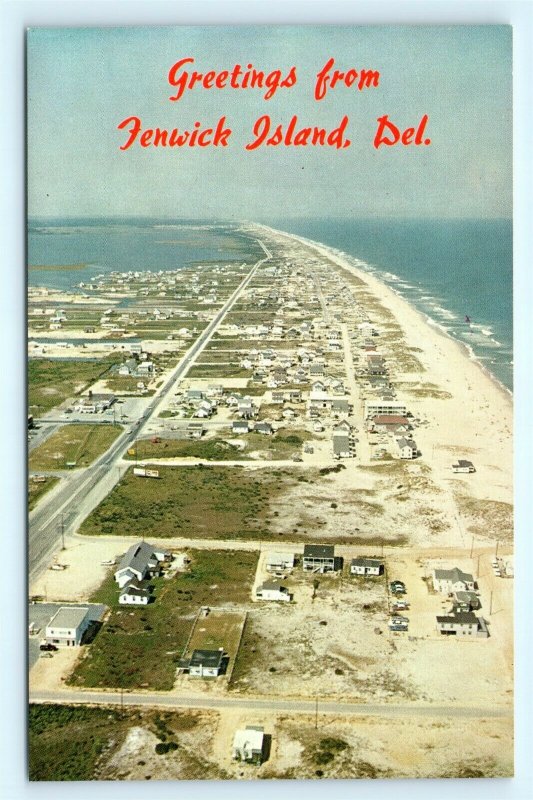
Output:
(15, 16)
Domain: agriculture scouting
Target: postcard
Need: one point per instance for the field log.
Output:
(270, 402)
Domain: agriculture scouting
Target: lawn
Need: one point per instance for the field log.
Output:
(219, 629)
(51, 382)
(81, 444)
(37, 490)
(196, 501)
(140, 649)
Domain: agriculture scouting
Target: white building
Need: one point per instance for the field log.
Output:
(67, 626)
(407, 448)
(375, 407)
(366, 566)
(248, 744)
(452, 580)
(133, 595)
(279, 562)
(273, 590)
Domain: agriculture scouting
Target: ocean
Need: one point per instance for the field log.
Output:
(448, 269)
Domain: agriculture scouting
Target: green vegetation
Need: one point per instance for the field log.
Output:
(197, 502)
(81, 444)
(37, 489)
(51, 382)
(208, 449)
(140, 649)
(66, 742)
(220, 371)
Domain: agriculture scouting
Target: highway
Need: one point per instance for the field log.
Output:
(63, 510)
(284, 705)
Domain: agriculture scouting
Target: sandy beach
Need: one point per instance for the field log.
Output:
(475, 421)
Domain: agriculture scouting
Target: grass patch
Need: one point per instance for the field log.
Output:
(199, 501)
(66, 742)
(37, 490)
(73, 443)
(208, 449)
(140, 649)
(51, 382)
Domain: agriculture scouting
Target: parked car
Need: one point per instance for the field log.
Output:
(400, 605)
(47, 647)
(397, 587)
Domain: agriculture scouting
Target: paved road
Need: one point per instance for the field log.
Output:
(66, 508)
(156, 699)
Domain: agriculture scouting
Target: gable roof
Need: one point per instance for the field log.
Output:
(454, 575)
(319, 551)
(137, 557)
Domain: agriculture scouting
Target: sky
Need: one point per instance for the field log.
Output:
(82, 82)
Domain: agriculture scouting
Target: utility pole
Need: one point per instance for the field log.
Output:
(497, 545)
(62, 528)
(490, 610)
(316, 713)
(472, 547)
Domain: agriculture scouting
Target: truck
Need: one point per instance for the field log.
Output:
(142, 472)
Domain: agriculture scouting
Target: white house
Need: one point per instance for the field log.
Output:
(205, 663)
(375, 407)
(248, 744)
(132, 595)
(407, 448)
(67, 626)
(140, 561)
(273, 590)
(366, 566)
(452, 580)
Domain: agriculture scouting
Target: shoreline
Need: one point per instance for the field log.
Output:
(342, 259)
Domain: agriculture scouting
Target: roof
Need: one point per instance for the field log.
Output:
(319, 551)
(367, 562)
(466, 596)
(341, 443)
(390, 419)
(461, 618)
(68, 617)
(277, 558)
(274, 586)
(453, 575)
(137, 557)
(463, 463)
(206, 658)
(406, 443)
(134, 591)
(249, 738)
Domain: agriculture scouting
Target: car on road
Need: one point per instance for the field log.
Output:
(47, 647)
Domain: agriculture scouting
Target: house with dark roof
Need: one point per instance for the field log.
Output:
(204, 663)
(367, 566)
(139, 562)
(462, 624)
(133, 595)
(319, 558)
(273, 590)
